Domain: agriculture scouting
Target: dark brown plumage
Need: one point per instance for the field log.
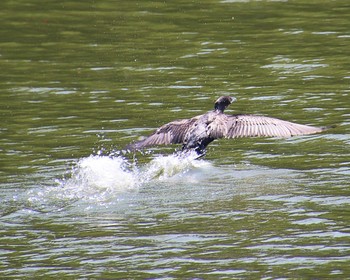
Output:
(196, 133)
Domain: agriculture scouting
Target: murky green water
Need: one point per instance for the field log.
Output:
(80, 80)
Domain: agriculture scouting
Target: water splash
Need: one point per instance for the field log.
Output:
(164, 167)
(106, 180)
(102, 174)
(105, 176)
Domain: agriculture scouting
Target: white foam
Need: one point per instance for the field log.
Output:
(102, 180)
(103, 173)
(112, 174)
(163, 167)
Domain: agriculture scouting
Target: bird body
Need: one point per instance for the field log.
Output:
(196, 133)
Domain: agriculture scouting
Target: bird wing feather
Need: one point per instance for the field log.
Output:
(170, 133)
(235, 126)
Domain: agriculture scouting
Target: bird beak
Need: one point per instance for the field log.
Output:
(233, 99)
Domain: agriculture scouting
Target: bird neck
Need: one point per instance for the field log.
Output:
(219, 108)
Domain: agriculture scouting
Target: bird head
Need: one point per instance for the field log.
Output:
(223, 102)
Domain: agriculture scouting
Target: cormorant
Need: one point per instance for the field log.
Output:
(196, 133)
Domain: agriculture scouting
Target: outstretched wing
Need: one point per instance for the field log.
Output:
(170, 133)
(235, 126)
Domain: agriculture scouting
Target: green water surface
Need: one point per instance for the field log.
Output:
(79, 80)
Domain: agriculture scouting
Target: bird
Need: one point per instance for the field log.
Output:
(196, 133)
